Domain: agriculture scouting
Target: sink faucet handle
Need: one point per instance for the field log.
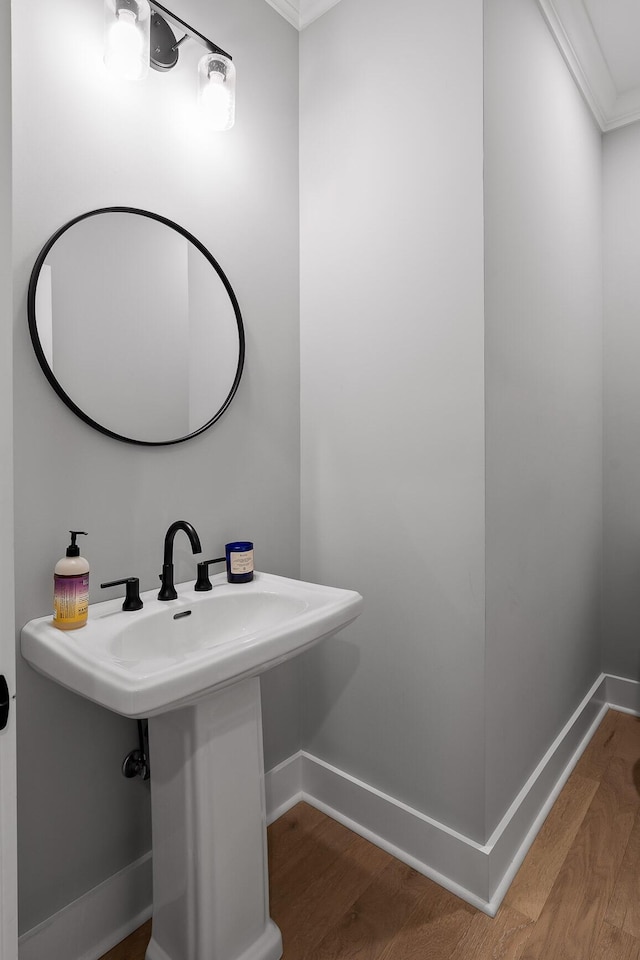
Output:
(203, 582)
(132, 599)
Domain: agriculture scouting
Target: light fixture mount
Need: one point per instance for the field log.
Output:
(164, 47)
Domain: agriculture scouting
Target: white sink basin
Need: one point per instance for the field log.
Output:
(191, 666)
(170, 653)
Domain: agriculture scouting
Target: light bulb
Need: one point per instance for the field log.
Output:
(216, 102)
(217, 83)
(127, 39)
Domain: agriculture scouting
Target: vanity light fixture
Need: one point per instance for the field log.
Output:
(139, 34)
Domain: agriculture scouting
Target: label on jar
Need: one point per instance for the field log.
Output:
(241, 562)
(70, 598)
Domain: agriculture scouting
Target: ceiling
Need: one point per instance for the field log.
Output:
(599, 39)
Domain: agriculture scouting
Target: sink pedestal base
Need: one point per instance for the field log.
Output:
(210, 879)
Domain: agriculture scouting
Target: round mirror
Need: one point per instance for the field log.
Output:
(135, 326)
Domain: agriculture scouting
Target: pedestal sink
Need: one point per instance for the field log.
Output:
(191, 666)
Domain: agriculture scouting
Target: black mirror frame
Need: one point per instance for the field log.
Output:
(48, 372)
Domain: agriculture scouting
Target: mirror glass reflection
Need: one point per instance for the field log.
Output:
(136, 326)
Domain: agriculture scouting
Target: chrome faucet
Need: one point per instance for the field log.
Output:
(167, 590)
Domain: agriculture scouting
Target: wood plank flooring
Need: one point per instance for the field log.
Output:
(336, 896)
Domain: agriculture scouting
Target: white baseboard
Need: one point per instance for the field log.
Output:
(283, 787)
(87, 928)
(623, 694)
(478, 873)
(510, 842)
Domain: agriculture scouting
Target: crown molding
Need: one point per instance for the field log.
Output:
(300, 13)
(570, 25)
(627, 110)
(311, 10)
(573, 31)
(289, 9)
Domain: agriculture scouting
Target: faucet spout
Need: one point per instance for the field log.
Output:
(167, 590)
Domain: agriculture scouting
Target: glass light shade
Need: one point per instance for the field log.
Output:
(127, 30)
(217, 91)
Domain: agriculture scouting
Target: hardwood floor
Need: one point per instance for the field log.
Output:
(576, 897)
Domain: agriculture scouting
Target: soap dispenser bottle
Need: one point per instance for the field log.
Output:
(71, 588)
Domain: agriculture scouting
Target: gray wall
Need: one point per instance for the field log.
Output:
(392, 406)
(622, 402)
(392, 395)
(83, 141)
(543, 226)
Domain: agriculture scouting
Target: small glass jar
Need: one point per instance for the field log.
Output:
(239, 556)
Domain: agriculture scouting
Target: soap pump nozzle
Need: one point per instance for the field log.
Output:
(73, 550)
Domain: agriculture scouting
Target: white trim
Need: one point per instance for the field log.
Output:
(311, 10)
(478, 873)
(283, 786)
(505, 871)
(289, 9)
(96, 921)
(623, 695)
(431, 848)
(627, 110)
(300, 13)
(574, 35)
(573, 32)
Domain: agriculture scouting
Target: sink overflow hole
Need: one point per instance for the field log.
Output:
(179, 616)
